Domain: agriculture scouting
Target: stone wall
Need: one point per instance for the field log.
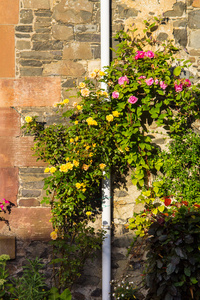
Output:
(47, 47)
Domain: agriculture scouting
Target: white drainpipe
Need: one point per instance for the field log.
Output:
(106, 183)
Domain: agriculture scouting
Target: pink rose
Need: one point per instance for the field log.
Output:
(115, 95)
(140, 54)
(156, 81)
(142, 77)
(132, 99)
(163, 85)
(149, 81)
(123, 79)
(178, 87)
(149, 54)
(187, 82)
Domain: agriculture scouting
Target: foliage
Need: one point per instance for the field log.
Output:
(4, 283)
(108, 131)
(31, 285)
(180, 167)
(55, 295)
(173, 264)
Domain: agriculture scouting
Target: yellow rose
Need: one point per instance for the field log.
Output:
(47, 170)
(76, 122)
(109, 118)
(102, 166)
(88, 213)
(52, 170)
(85, 167)
(53, 235)
(115, 113)
(101, 73)
(85, 92)
(79, 107)
(91, 121)
(78, 185)
(82, 85)
(28, 119)
(65, 101)
(76, 163)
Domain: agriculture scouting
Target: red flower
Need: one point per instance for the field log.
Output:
(197, 205)
(167, 201)
(185, 203)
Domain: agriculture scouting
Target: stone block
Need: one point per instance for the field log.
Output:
(64, 68)
(31, 71)
(22, 45)
(8, 117)
(41, 37)
(47, 45)
(85, 28)
(30, 62)
(29, 202)
(26, 16)
(178, 10)
(7, 51)
(77, 50)
(180, 36)
(9, 12)
(7, 246)
(73, 12)
(30, 193)
(9, 184)
(62, 32)
(37, 4)
(17, 152)
(194, 40)
(88, 37)
(30, 91)
(28, 223)
(194, 19)
(24, 28)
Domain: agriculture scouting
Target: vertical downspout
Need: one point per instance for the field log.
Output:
(106, 183)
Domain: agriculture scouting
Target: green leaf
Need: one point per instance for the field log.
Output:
(177, 71)
(187, 272)
(193, 280)
(66, 295)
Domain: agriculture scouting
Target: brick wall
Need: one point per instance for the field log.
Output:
(48, 46)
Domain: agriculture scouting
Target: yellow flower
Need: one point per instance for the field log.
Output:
(52, 170)
(28, 119)
(96, 70)
(67, 158)
(82, 85)
(94, 145)
(115, 113)
(71, 140)
(76, 138)
(83, 190)
(85, 167)
(53, 235)
(47, 170)
(78, 185)
(101, 73)
(87, 147)
(92, 75)
(79, 107)
(109, 118)
(66, 167)
(88, 213)
(85, 92)
(91, 121)
(91, 154)
(76, 122)
(76, 163)
(105, 94)
(65, 101)
(127, 149)
(102, 166)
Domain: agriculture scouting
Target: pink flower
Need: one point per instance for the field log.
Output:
(140, 54)
(163, 85)
(1, 206)
(178, 87)
(156, 81)
(115, 95)
(123, 79)
(187, 82)
(149, 81)
(132, 99)
(149, 54)
(142, 77)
